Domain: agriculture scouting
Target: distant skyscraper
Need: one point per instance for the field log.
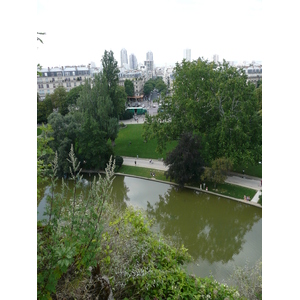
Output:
(216, 58)
(124, 59)
(187, 54)
(149, 56)
(133, 62)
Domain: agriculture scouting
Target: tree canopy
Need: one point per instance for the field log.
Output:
(157, 83)
(129, 88)
(88, 127)
(185, 162)
(215, 102)
(116, 93)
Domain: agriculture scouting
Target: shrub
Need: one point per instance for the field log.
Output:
(142, 265)
(248, 280)
(126, 115)
(67, 243)
(119, 162)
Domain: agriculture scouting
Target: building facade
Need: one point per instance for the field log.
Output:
(187, 54)
(68, 77)
(254, 73)
(149, 56)
(133, 65)
(137, 77)
(124, 58)
(215, 58)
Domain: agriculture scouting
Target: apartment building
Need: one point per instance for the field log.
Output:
(68, 77)
(254, 73)
(137, 77)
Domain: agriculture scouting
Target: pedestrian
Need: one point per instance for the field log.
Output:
(135, 162)
(137, 157)
(243, 173)
(245, 197)
(207, 188)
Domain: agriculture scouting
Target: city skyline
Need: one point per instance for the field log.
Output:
(90, 29)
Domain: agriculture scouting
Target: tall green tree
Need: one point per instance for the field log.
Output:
(59, 100)
(185, 161)
(129, 88)
(98, 124)
(216, 102)
(110, 72)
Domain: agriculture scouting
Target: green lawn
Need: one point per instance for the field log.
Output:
(131, 143)
(255, 171)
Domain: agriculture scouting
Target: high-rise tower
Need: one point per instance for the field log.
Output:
(124, 59)
(187, 54)
(215, 58)
(133, 62)
(149, 56)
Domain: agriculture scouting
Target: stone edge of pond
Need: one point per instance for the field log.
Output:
(175, 184)
(192, 188)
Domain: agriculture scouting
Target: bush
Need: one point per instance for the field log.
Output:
(248, 281)
(119, 162)
(67, 243)
(142, 265)
(127, 115)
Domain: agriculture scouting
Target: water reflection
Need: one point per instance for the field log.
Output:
(218, 233)
(212, 228)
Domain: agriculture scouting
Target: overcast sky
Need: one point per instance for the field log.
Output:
(78, 32)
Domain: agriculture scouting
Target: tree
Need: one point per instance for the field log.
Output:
(44, 109)
(216, 102)
(185, 162)
(258, 95)
(110, 72)
(148, 87)
(97, 123)
(218, 172)
(129, 88)
(59, 100)
(73, 95)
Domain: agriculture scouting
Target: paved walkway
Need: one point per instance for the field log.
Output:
(246, 181)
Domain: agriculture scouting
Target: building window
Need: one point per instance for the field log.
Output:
(74, 83)
(54, 85)
(45, 74)
(47, 86)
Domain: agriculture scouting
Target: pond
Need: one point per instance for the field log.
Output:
(219, 233)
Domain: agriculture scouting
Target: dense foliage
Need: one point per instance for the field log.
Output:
(185, 164)
(157, 83)
(60, 101)
(44, 155)
(129, 88)
(215, 102)
(218, 171)
(70, 238)
(91, 120)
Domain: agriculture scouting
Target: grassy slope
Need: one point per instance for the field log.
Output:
(133, 133)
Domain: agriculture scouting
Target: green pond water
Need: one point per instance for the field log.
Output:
(219, 233)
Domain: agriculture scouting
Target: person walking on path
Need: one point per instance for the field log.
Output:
(135, 162)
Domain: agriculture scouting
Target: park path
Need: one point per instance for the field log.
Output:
(237, 179)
